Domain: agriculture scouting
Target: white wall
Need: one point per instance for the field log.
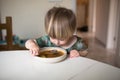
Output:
(111, 43)
(28, 15)
(91, 15)
(102, 16)
(118, 34)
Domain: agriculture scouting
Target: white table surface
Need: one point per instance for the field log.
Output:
(21, 65)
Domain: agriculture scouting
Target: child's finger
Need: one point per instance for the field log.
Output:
(33, 52)
(74, 56)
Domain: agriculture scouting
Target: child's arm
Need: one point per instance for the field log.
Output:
(75, 53)
(82, 50)
(32, 46)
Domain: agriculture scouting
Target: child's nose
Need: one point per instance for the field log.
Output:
(57, 42)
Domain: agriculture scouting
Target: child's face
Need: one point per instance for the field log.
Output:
(58, 42)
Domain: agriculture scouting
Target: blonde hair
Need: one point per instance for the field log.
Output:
(60, 23)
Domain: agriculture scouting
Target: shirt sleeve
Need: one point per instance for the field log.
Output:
(79, 45)
(42, 41)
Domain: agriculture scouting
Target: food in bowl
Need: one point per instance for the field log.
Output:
(52, 54)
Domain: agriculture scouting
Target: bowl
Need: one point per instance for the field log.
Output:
(51, 54)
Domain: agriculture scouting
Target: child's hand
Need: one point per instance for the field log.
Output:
(74, 53)
(33, 47)
(83, 53)
(34, 50)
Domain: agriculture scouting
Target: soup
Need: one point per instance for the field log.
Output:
(50, 53)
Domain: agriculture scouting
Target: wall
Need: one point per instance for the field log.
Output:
(0, 10)
(91, 15)
(118, 34)
(28, 15)
(102, 16)
(112, 30)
